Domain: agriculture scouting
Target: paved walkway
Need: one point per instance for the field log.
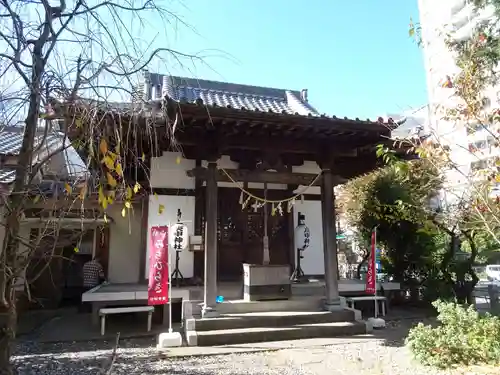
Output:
(71, 326)
(381, 353)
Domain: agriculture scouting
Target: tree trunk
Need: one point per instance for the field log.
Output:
(447, 259)
(366, 255)
(8, 260)
(8, 320)
(470, 285)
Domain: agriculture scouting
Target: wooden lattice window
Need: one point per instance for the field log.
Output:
(255, 227)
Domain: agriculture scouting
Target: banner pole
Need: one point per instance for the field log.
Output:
(374, 266)
(169, 283)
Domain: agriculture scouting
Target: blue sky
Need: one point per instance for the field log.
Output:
(354, 57)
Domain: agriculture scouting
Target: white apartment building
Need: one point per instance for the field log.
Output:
(457, 19)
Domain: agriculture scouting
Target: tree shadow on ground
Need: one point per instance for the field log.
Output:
(34, 348)
(130, 363)
(396, 331)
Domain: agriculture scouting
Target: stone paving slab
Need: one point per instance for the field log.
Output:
(201, 351)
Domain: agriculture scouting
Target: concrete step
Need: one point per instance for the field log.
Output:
(308, 289)
(264, 334)
(241, 306)
(271, 319)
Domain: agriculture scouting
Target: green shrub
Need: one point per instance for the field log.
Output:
(463, 338)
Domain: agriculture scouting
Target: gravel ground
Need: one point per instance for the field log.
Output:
(370, 357)
(383, 354)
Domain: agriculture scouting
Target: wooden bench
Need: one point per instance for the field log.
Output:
(125, 310)
(352, 300)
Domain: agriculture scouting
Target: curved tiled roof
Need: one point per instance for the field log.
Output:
(7, 175)
(223, 94)
(67, 163)
(12, 138)
(155, 87)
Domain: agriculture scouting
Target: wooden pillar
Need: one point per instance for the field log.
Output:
(143, 273)
(199, 256)
(210, 276)
(291, 232)
(144, 239)
(329, 240)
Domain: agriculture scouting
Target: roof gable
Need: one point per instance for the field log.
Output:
(224, 94)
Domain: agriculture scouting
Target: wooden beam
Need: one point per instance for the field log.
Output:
(343, 146)
(74, 202)
(239, 175)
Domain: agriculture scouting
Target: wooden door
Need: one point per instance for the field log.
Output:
(241, 233)
(230, 231)
(277, 230)
(279, 246)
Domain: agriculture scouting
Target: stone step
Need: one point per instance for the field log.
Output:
(265, 334)
(270, 319)
(241, 306)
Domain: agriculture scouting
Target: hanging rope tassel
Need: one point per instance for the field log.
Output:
(255, 206)
(245, 204)
(280, 209)
(241, 199)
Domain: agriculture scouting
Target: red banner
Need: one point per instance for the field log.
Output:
(371, 281)
(158, 266)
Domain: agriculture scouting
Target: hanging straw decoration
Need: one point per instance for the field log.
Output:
(245, 204)
(280, 209)
(276, 204)
(255, 206)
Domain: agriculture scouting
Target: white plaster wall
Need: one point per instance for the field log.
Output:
(257, 185)
(167, 173)
(308, 167)
(169, 215)
(24, 234)
(226, 163)
(313, 262)
(125, 235)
